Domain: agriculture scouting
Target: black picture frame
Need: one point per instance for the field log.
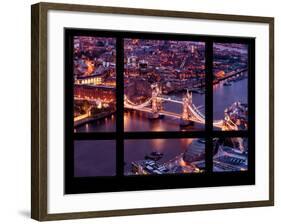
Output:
(120, 182)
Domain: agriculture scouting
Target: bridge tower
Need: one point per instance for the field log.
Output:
(155, 103)
(187, 101)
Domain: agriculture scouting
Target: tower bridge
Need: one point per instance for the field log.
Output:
(190, 113)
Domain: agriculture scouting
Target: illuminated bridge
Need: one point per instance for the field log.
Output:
(190, 113)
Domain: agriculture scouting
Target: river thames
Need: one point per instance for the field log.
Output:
(223, 97)
(135, 150)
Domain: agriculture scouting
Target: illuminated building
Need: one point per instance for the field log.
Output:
(89, 80)
(220, 74)
(104, 93)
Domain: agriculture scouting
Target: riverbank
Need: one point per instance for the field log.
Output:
(85, 120)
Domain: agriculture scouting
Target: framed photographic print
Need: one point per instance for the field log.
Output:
(134, 104)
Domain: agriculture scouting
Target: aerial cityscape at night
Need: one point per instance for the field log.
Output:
(157, 75)
(154, 156)
(164, 90)
(94, 83)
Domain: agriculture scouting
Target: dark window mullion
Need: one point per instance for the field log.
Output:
(209, 105)
(229, 134)
(68, 109)
(94, 136)
(166, 135)
(119, 106)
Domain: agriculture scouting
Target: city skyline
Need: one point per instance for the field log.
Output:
(157, 74)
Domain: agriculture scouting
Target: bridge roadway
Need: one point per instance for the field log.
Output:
(231, 74)
(197, 115)
(218, 124)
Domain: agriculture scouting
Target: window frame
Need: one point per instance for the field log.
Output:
(166, 181)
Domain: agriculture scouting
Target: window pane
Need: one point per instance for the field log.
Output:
(230, 91)
(94, 158)
(230, 154)
(94, 84)
(157, 75)
(164, 156)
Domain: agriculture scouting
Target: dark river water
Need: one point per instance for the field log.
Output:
(224, 96)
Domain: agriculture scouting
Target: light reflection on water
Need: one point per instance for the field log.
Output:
(106, 124)
(137, 149)
(139, 121)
